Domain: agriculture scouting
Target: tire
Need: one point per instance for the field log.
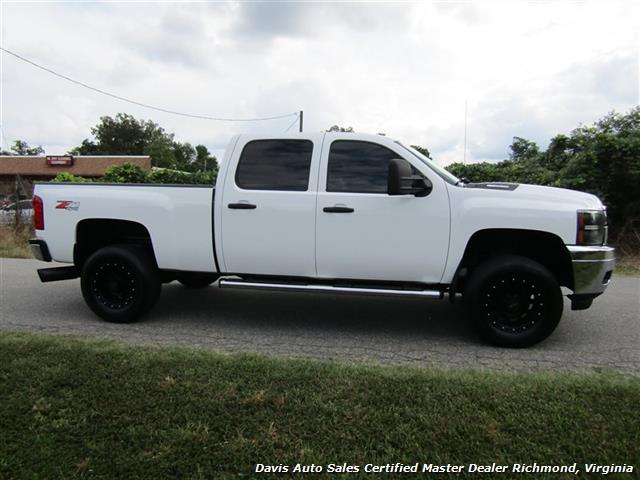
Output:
(120, 283)
(513, 301)
(197, 280)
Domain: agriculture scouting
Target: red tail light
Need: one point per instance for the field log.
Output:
(38, 213)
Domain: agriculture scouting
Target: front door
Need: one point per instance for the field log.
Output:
(364, 233)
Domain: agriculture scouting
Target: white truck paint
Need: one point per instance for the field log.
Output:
(178, 220)
(424, 240)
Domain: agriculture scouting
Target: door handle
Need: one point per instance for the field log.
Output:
(337, 209)
(242, 206)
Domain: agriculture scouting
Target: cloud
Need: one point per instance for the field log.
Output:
(581, 93)
(259, 20)
(178, 36)
(468, 13)
(531, 70)
(271, 20)
(612, 77)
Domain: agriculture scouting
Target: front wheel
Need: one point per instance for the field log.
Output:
(513, 301)
(120, 283)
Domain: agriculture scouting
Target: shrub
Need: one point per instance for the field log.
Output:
(125, 173)
(64, 177)
(165, 175)
(201, 177)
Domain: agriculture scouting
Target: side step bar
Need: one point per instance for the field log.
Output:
(224, 283)
(57, 273)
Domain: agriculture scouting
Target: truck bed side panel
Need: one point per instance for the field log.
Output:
(178, 218)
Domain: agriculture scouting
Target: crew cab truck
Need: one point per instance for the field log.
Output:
(332, 212)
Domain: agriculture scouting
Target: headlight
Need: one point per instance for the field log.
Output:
(592, 227)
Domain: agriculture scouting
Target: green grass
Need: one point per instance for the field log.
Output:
(73, 407)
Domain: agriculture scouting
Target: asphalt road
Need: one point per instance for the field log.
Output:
(348, 328)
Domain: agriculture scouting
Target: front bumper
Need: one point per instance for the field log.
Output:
(40, 250)
(592, 269)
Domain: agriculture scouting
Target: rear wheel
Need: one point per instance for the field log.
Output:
(120, 283)
(513, 301)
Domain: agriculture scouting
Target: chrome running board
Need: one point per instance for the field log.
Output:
(224, 283)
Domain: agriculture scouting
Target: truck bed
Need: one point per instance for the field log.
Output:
(178, 218)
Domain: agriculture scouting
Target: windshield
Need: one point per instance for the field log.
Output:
(444, 174)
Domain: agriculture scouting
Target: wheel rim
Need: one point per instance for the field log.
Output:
(113, 285)
(514, 302)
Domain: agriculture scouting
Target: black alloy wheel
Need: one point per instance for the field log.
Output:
(514, 301)
(114, 284)
(120, 283)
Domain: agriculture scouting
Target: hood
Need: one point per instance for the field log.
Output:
(538, 193)
(580, 200)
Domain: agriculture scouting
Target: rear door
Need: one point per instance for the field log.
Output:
(268, 207)
(364, 233)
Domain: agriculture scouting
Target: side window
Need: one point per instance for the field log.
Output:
(358, 167)
(275, 165)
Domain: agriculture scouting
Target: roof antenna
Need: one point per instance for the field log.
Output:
(464, 155)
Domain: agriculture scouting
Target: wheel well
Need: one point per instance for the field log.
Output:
(543, 247)
(93, 234)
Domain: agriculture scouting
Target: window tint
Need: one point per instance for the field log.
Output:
(359, 167)
(275, 165)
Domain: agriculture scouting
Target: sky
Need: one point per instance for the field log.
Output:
(409, 70)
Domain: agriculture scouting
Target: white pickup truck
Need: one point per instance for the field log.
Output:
(332, 212)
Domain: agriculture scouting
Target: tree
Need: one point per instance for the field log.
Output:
(125, 135)
(185, 156)
(423, 150)
(122, 135)
(523, 149)
(204, 160)
(558, 152)
(20, 147)
(337, 128)
(605, 160)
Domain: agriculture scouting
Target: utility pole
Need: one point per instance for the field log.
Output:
(301, 119)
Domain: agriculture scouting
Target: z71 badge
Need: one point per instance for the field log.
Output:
(68, 205)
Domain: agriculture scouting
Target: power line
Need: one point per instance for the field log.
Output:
(145, 105)
(295, 120)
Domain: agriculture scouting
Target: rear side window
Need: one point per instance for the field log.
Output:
(358, 167)
(275, 165)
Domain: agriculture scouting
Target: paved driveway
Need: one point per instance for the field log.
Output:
(352, 328)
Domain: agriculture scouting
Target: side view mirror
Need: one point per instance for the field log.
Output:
(401, 180)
